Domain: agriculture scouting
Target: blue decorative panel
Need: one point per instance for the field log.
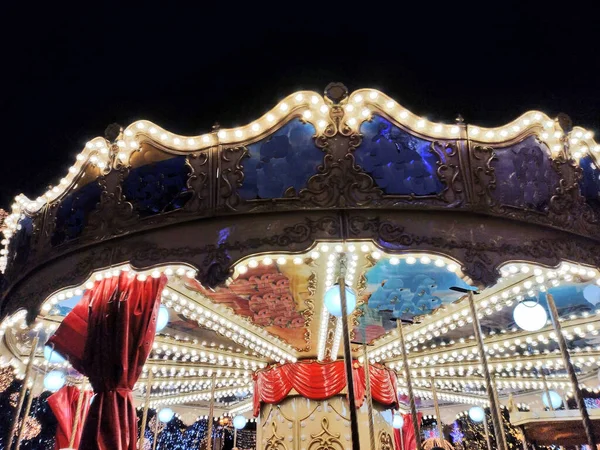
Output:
(524, 175)
(287, 158)
(403, 290)
(590, 183)
(400, 163)
(158, 187)
(73, 211)
(20, 244)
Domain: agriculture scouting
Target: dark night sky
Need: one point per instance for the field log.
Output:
(69, 73)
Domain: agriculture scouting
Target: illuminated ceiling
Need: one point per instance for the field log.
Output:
(271, 311)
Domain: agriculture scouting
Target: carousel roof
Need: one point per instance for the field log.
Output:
(253, 295)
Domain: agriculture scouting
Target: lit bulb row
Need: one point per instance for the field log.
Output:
(195, 344)
(191, 398)
(364, 103)
(501, 384)
(437, 357)
(322, 338)
(244, 407)
(187, 351)
(187, 387)
(308, 105)
(454, 398)
(142, 275)
(337, 339)
(210, 319)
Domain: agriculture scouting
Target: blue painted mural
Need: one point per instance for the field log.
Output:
(73, 212)
(400, 163)
(287, 158)
(590, 182)
(158, 187)
(404, 290)
(524, 175)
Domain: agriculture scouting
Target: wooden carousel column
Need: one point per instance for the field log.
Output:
(490, 386)
(348, 358)
(78, 413)
(564, 350)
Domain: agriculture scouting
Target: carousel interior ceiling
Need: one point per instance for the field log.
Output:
(271, 311)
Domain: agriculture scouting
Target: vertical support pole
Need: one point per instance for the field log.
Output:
(402, 437)
(437, 410)
(142, 440)
(562, 343)
(26, 413)
(211, 410)
(498, 406)
(15, 421)
(369, 397)
(77, 413)
(487, 433)
(550, 406)
(411, 395)
(155, 440)
(234, 437)
(490, 387)
(348, 358)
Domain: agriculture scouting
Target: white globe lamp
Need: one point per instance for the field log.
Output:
(163, 318)
(592, 294)
(52, 356)
(398, 421)
(477, 414)
(333, 302)
(165, 415)
(555, 399)
(530, 315)
(239, 422)
(54, 380)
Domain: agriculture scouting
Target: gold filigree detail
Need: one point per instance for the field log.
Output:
(385, 441)
(312, 284)
(275, 442)
(325, 440)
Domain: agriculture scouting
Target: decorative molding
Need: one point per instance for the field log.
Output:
(325, 440)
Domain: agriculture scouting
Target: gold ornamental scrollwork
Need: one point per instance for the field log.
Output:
(325, 440)
(385, 441)
(275, 442)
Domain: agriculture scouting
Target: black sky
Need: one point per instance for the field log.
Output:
(69, 72)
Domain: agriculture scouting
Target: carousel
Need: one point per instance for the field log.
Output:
(338, 274)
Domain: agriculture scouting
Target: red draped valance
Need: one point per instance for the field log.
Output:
(319, 381)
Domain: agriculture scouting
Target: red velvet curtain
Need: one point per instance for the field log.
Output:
(408, 433)
(319, 381)
(121, 324)
(64, 406)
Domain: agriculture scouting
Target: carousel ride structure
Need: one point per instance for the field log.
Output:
(337, 236)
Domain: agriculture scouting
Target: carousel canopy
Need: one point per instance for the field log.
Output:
(253, 225)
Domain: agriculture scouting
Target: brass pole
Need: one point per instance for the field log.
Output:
(146, 406)
(496, 420)
(562, 343)
(15, 421)
(498, 406)
(411, 395)
(487, 432)
(550, 405)
(348, 358)
(77, 414)
(234, 437)
(155, 442)
(437, 409)
(26, 413)
(369, 398)
(211, 410)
